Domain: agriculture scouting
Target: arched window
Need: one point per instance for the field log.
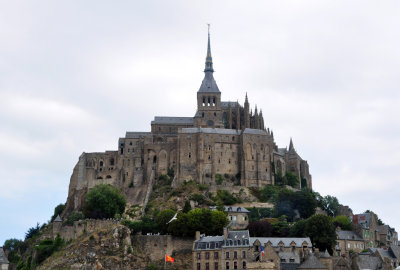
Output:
(101, 163)
(204, 101)
(108, 176)
(213, 101)
(209, 101)
(154, 159)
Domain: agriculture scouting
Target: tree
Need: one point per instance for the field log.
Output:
(219, 220)
(321, 231)
(74, 216)
(298, 229)
(104, 201)
(330, 204)
(14, 248)
(163, 218)
(343, 222)
(187, 207)
(280, 228)
(32, 231)
(305, 203)
(57, 211)
(291, 179)
(261, 228)
(285, 204)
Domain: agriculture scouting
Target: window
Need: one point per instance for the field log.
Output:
(243, 254)
(190, 155)
(235, 254)
(227, 266)
(207, 266)
(215, 266)
(244, 265)
(227, 138)
(348, 245)
(209, 157)
(227, 255)
(198, 256)
(207, 255)
(101, 163)
(202, 115)
(111, 161)
(216, 255)
(235, 265)
(283, 260)
(291, 260)
(198, 266)
(215, 114)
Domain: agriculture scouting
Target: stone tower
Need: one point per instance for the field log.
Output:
(209, 112)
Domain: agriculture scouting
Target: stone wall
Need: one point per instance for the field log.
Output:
(83, 226)
(159, 245)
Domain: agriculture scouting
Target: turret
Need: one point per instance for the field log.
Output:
(246, 113)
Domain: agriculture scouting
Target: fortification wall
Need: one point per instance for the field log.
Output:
(83, 226)
(159, 245)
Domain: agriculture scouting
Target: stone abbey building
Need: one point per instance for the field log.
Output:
(223, 138)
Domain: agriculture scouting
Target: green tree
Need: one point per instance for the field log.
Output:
(285, 204)
(280, 228)
(32, 231)
(57, 211)
(291, 179)
(261, 228)
(187, 207)
(305, 203)
(104, 201)
(343, 222)
(14, 248)
(298, 229)
(259, 213)
(321, 231)
(226, 197)
(219, 220)
(74, 216)
(163, 218)
(330, 204)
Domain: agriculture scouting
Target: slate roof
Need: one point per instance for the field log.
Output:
(234, 239)
(172, 120)
(225, 104)
(222, 131)
(368, 261)
(208, 85)
(237, 209)
(3, 257)
(348, 235)
(289, 255)
(312, 262)
(285, 240)
(325, 254)
(255, 131)
(137, 135)
(395, 250)
(58, 219)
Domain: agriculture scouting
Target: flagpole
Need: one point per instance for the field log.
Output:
(165, 261)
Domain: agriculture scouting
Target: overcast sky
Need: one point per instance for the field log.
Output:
(76, 75)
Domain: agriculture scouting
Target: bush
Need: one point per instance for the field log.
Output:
(104, 201)
(259, 213)
(74, 216)
(47, 247)
(226, 197)
(134, 226)
(57, 211)
(291, 179)
(162, 219)
(343, 222)
(198, 198)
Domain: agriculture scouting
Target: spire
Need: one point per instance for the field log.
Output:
(208, 84)
(209, 63)
(291, 145)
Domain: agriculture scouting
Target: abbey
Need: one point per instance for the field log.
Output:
(223, 139)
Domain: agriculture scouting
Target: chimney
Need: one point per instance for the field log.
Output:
(197, 237)
(226, 231)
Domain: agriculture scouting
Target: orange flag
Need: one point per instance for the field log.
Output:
(168, 258)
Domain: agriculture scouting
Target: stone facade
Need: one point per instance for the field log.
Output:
(348, 241)
(237, 250)
(238, 216)
(222, 138)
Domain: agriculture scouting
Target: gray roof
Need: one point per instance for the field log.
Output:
(209, 242)
(363, 219)
(287, 256)
(233, 209)
(368, 261)
(255, 131)
(225, 104)
(312, 262)
(234, 239)
(172, 120)
(137, 135)
(395, 250)
(209, 85)
(348, 235)
(58, 219)
(289, 266)
(3, 257)
(221, 131)
(325, 254)
(285, 240)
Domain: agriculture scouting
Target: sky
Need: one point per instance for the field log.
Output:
(76, 75)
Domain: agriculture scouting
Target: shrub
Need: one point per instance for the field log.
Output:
(104, 201)
(74, 216)
(198, 198)
(33, 231)
(57, 211)
(260, 228)
(219, 179)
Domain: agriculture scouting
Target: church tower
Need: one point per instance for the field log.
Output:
(209, 112)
